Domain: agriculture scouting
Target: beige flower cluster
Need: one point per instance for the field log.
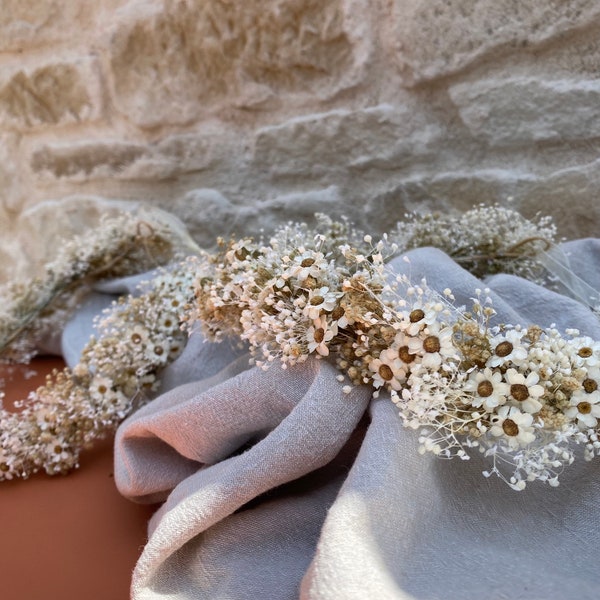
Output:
(484, 240)
(521, 397)
(118, 371)
(121, 245)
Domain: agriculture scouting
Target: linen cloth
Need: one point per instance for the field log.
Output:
(276, 485)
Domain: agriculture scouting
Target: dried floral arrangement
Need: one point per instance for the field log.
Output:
(522, 397)
(137, 337)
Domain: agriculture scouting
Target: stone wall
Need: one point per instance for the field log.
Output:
(239, 115)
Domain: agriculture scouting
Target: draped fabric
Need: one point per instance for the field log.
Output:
(277, 485)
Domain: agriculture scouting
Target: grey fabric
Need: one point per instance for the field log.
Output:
(274, 486)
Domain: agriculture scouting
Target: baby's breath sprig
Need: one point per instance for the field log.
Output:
(118, 371)
(484, 240)
(121, 245)
(522, 397)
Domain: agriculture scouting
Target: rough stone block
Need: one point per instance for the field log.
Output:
(96, 159)
(527, 110)
(207, 213)
(440, 37)
(51, 94)
(174, 61)
(29, 23)
(10, 176)
(382, 137)
(571, 196)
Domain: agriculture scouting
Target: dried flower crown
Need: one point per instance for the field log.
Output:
(521, 396)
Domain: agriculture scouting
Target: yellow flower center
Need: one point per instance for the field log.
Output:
(319, 335)
(307, 262)
(316, 300)
(405, 356)
(338, 313)
(585, 352)
(416, 315)
(590, 385)
(585, 408)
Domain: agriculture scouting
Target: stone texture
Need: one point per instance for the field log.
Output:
(528, 110)
(50, 94)
(442, 37)
(383, 136)
(174, 61)
(238, 116)
(571, 196)
(30, 23)
(209, 214)
(25, 21)
(85, 160)
(10, 176)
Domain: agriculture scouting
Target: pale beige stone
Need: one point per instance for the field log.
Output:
(10, 177)
(172, 62)
(526, 110)
(571, 196)
(50, 94)
(441, 37)
(26, 24)
(95, 159)
(381, 137)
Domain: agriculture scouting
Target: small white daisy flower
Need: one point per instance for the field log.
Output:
(319, 334)
(507, 347)
(402, 350)
(524, 390)
(489, 390)
(388, 370)
(514, 426)
(588, 352)
(421, 315)
(585, 408)
(100, 387)
(433, 347)
(307, 264)
(319, 300)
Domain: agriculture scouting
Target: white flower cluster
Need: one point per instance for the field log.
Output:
(484, 240)
(121, 245)
(531, 395)
(294, 296)
(521, 397)
(137, 337)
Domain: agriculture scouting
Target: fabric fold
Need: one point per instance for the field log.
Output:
(272, 488)
(310, 420)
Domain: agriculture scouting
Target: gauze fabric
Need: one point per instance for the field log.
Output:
(276, 485)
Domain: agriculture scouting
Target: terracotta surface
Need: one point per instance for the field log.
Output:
(66, 538)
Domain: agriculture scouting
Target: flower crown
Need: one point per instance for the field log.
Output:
(521, 396)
